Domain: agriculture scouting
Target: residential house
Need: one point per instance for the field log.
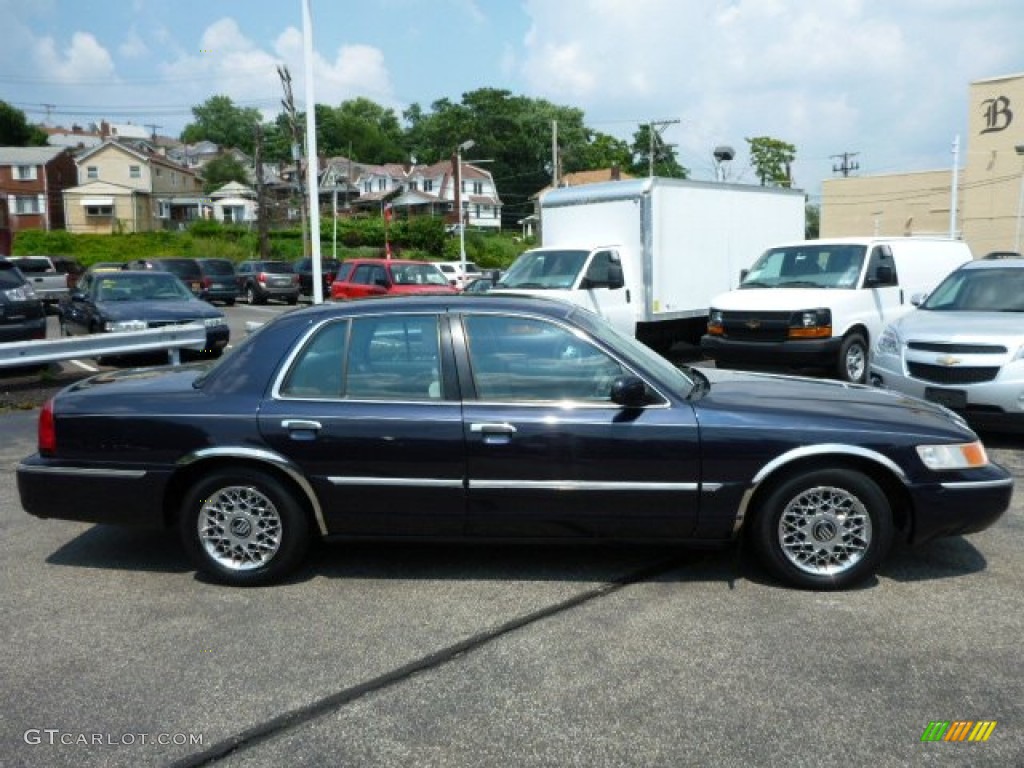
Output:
(124, 188)
(234, 203)
(32, 180)
(432, 190)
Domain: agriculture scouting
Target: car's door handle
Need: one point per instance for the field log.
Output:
(494, 433)
(490, 428)
(301, 429)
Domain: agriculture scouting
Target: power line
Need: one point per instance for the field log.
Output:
(846, 163)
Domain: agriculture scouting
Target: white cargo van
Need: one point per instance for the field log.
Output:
(821, 303)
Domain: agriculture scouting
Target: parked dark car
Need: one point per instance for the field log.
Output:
(259, 281)
(22, 313)
(134, 300)
(501, 417)
(358, 278)
(219, 282)
(185, 269)
(304, 269)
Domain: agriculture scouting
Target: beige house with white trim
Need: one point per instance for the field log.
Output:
(990, 183)
(125, 189)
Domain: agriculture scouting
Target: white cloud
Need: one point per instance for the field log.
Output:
(133, 47)
(84, 59)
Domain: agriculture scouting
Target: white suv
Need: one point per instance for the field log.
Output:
(453, 271)
(963, 346)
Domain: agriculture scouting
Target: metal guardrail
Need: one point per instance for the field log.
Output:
(172, 338)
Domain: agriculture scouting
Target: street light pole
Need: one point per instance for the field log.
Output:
(468, 144)
(1019, 149)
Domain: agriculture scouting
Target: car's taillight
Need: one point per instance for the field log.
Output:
(47, 432)
(295, 279)
(262, 277)
(207, 282)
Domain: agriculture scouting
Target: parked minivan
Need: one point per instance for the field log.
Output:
(822, 303)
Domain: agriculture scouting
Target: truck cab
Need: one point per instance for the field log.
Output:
(592, 278)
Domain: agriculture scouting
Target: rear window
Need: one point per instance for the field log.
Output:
(218, 267)
(33, 266)
(276, 267)
(180, 267)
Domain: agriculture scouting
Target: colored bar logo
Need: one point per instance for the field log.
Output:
(958, 730)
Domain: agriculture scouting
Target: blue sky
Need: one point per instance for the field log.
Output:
(885, 79)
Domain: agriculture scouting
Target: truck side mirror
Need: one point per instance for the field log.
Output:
(743, 274)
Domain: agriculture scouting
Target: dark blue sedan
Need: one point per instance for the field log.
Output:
(501, 417)
(128, 300)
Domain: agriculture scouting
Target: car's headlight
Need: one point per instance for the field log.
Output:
(213, 322)
(811, 324)
(715, 322)
(1019, 355)
(126, 325)
(959, 456)
(889, 342)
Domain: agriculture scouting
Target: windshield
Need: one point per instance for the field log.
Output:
(979, 290)
(157, 286)
(821, 265)
(544, 269)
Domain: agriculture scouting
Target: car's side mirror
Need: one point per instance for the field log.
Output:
(629, 391)
(76, 296)
(918, 299)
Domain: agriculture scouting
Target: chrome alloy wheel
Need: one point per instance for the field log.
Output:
(825, 530)
(239, 528)
(856, 362)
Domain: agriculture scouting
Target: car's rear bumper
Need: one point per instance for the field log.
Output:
(23, 330)
(94, 494)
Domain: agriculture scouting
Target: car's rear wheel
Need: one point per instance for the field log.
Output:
(826, 529)
(250, 295)
(243, 527)
(229, 302)
(853, 359)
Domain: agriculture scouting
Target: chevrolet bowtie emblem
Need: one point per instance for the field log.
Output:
(948, 360)
(753, 324)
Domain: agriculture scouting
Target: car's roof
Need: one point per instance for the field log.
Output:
(993, 264)
(389, 261)
(438, 302)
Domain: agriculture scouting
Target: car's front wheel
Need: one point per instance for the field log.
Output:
(250, 295)
(825, 529)
(853, 359)
(243, 527)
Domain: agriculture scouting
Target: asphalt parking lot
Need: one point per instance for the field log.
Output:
(115, 654)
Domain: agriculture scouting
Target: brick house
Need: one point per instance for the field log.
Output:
(32, 181)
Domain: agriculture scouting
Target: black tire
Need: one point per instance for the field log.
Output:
(825, 529)
(293, 301)
(853, 359)
(243, 528)
(229, 302)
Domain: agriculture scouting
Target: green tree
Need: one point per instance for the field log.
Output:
(812, 221)
(218, 120)
(772, 160)
(666, 164)
(15, 130)
(221, 170)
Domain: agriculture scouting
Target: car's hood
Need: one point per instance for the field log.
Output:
(961, 326)
(157, 311)
(780, 401)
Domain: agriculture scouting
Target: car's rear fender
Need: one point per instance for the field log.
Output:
(198, 463)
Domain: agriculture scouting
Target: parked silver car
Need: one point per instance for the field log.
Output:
(963, 346)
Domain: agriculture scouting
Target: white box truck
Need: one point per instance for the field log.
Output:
(649, 254)
(823, 303)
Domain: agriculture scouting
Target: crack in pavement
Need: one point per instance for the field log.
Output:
(275, 726)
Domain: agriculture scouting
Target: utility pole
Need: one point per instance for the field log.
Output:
(262, 224)
(845, 163)
(654, 131)
(288, 103)
(152, 130)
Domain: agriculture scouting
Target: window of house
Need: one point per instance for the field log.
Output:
(25, 173)
(158, 171)
(382, 184)
(92, 172)
(413, 186)
(135, 171)
(27, 205)
(478, 188)
(99, 210)
(428, 185)
(477, 209)
(367, 186)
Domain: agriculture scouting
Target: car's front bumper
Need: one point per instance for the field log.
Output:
(965, 502)
(94, 494)
(796, 353)
(996, 404)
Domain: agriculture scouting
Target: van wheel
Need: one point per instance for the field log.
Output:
(853, 359)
